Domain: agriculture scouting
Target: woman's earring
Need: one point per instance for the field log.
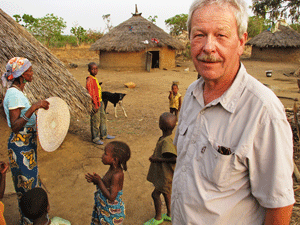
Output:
(24, 81)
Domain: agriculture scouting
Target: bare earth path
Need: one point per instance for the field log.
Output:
(62, 171)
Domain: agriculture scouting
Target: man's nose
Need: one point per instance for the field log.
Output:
(210, 44)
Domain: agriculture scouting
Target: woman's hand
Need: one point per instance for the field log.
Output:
(41, 104)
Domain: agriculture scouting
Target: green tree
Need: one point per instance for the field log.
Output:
(177, 24)
(18, 18)
(26, 20)
(79, 32)
(153, 19)
(276, 9)
(257, 24)
(48, 28)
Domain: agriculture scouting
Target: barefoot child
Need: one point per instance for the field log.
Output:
(109, 207)
(162, 168)
(175, 100)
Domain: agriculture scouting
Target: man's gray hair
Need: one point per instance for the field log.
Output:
(238, 7)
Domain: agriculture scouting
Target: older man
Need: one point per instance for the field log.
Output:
(234, 144)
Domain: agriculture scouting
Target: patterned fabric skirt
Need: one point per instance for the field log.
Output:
(22, 156)
(108, 212)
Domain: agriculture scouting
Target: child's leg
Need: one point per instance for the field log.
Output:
(157, 204)
(95, 124)
(168, 203)
(103, 127)
(176, 113)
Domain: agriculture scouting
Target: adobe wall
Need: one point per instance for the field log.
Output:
(135, 60)
(276, 54)
(69, 53)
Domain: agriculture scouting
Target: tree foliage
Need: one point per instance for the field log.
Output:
(79, 32)
(257, 24)
(45, 29)
(48, 27)
(277, 9)
(177, 24)
(26, 20)
(152, 19)
(93, 36)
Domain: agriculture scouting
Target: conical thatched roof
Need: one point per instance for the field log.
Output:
(130, 35)
(282, 36)
(51, 78)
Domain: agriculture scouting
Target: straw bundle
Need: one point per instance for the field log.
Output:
(51, 78)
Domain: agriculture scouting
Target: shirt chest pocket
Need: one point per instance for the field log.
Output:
(216, 168)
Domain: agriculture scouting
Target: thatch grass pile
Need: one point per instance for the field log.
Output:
(51, 78)
(130, 35)
(283, 36)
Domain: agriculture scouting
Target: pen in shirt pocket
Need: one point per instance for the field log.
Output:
(223, 150)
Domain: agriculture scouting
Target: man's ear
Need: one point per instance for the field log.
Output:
(243, 41)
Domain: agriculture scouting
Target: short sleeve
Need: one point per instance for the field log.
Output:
(15, 101)
(271, 164)
(169, 147)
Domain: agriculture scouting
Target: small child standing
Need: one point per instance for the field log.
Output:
(98, 116)
(175, 100)
(162, 168)
(109, 207)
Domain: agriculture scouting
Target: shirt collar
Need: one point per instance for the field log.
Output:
(230, 98)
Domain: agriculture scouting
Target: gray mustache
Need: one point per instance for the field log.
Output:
(208, 58)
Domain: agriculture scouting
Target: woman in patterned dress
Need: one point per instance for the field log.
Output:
(21, 118)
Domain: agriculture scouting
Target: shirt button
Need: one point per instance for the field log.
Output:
(193, 141)
(202, 112)
(183, 169)
(203, 149)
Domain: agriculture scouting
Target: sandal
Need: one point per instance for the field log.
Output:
(166, 217)
(153, 221)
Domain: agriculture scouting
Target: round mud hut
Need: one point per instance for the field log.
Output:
(51, 77)
(279, 43)
(137, 44)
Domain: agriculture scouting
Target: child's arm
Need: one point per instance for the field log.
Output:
(170, 95)
(3, 169)
(179, 107)
(116, 184)
(167, 158)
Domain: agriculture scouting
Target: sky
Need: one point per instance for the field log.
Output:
(88, 13)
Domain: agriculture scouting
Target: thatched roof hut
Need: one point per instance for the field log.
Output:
(281, 43)
(126, 46)
(51, 78)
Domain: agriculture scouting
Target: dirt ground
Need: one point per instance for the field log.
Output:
(62, 172)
